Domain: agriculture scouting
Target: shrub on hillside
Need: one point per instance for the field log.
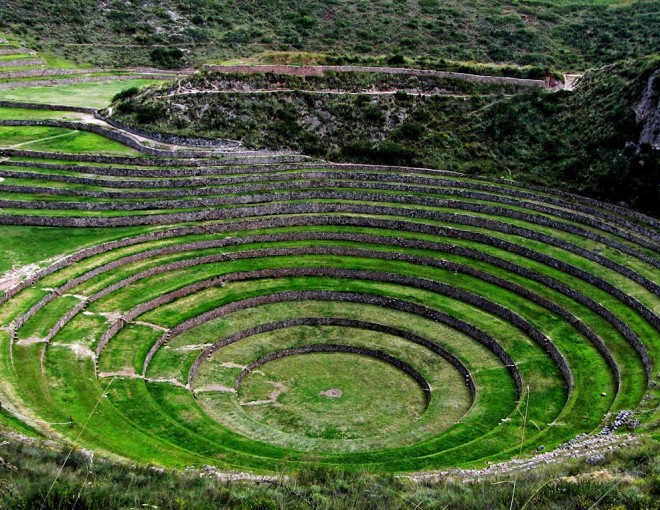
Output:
(167, 58)
(126, 94)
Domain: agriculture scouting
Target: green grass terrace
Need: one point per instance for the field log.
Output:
(264, 312)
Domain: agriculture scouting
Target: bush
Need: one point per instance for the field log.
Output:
(374, 113)
(385, 153)
(396, 60)
(167, 58)
(126, 94)
(408, 131)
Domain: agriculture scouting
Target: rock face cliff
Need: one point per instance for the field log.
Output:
(612, 127)
(647, 110)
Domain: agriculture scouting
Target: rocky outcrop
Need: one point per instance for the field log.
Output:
(647, 110)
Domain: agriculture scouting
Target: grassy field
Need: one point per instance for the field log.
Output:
(631, 483)
(92, 95)
(144, 292)
(329, 314)
(377, 399)
(50, 139)
(362, 409)
(19, 248)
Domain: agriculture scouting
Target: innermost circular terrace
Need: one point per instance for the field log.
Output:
(272, 386)
(380, 395)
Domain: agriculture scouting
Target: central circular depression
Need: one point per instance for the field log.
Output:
(249, 388)
(379, 394)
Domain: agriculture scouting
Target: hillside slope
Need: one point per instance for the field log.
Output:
(570, 34)
(599, 140)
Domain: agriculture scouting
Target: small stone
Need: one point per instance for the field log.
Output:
(331, 393)
(541, 448)
(603, 394)
(596, 459)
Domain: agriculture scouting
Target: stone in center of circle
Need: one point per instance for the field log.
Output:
(331, 393)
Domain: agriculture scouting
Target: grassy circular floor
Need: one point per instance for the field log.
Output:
(375, 404)
(371, 397)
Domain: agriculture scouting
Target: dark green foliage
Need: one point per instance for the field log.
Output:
(586, 141)
(167, 58)
(384, 153)
(396, 60)
(125, 94)
(374, 113)
(565, 34)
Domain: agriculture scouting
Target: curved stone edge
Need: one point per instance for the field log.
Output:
(349, 323)
(468, 297)
(349, 349)
(619, 325)
(596, 223)
(292, 296)
(324, 208)
(172, 160)
(200, 163)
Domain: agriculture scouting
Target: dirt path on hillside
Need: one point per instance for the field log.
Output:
(17, 275)
(570, 80)
(389, 92)
(309, 71)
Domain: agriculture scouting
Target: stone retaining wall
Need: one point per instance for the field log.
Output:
(401, 175)
(392, 225)
(82, 79)
(169, 138)
(38, 73)
(351, 349)
(218, 159)
(315, 208)
(592, 206)
(181, 170)
(22, 62)
(479, 222)
(48, 107)
(467, 297)
(308, 195)
(274, 209)
(348, 323)
(293, 296)
(15, 51)
(368, 179)
(631, 213)
(345, 251)
(112, 134)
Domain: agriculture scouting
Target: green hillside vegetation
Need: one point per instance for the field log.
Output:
(631, 481)
(585, 141)
(569, 34)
